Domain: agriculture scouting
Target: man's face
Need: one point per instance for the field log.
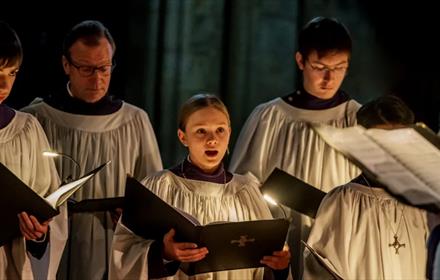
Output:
(89, 70)
(322, 76)
(7, 79)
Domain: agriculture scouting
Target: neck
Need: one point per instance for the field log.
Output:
(188, 170)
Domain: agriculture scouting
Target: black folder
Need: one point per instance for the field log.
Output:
(326, 267)
(16, 197)
(231, 245)
(293, 192)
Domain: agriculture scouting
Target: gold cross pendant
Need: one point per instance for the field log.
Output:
(396, 244)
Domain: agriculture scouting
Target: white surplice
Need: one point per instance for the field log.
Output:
(237, 200)
(354, 230)
(22, 142)
(125, 137)
(278, 134)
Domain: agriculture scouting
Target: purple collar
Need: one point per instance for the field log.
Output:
(304, 100)
(6, 115)
(187, 170)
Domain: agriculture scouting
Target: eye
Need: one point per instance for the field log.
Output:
(341, 68)
(201, 131)
(221, 129)
(319, 67)
(13, 73)
(86, 69)
(105, 68)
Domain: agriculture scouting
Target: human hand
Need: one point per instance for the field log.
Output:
(182, 251)
(31, 228)
(279, 260)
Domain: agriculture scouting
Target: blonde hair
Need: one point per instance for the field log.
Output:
(198, 102)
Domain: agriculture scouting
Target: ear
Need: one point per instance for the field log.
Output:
(182, 137)
(66, 65)
(299, 60)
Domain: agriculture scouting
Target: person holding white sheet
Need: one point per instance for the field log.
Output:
(38, 252)
(361, 230)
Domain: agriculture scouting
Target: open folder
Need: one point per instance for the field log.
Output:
(16, 197)
(293, 192)
(406, 160)
(231, 245)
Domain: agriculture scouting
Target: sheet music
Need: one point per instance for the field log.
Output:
(402, 159)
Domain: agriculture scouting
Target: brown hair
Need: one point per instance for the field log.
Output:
(198, 102)
(89, 32)
(11, 52)
(387, 109)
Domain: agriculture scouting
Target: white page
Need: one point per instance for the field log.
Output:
(59, 196)
(402, 159)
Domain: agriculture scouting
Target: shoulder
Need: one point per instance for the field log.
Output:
(244, 184)
(28, 120)
(342, 194)
(134, 112)
(160, 176)
(35, 105)
(353, 105)
(269, 112)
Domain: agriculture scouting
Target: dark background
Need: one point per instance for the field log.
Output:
(168, 50)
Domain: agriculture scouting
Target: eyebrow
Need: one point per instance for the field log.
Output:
(337, 64)
(206, 124)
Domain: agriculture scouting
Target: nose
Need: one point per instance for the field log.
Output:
(212, 140)
(328, 74)
(95, 79)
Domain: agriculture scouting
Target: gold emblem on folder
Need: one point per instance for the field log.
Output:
(242, 241)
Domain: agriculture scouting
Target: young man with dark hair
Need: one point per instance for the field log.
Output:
(277, 133)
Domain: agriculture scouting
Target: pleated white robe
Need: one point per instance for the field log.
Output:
(277, 134)
(354, 228)
(238, 200)
(125, 137)
(22, 142)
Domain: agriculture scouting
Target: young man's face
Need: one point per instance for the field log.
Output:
(322, 76)
(7, 79)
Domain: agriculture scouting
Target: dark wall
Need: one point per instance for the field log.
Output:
(243, 50)
(42, 28)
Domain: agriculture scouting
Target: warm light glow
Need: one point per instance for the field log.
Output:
(270, 199)
(50, 154)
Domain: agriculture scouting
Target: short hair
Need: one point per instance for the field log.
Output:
(89, 32)
(11, 51)
(324, 35)
(198, 102)
(387, 109)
